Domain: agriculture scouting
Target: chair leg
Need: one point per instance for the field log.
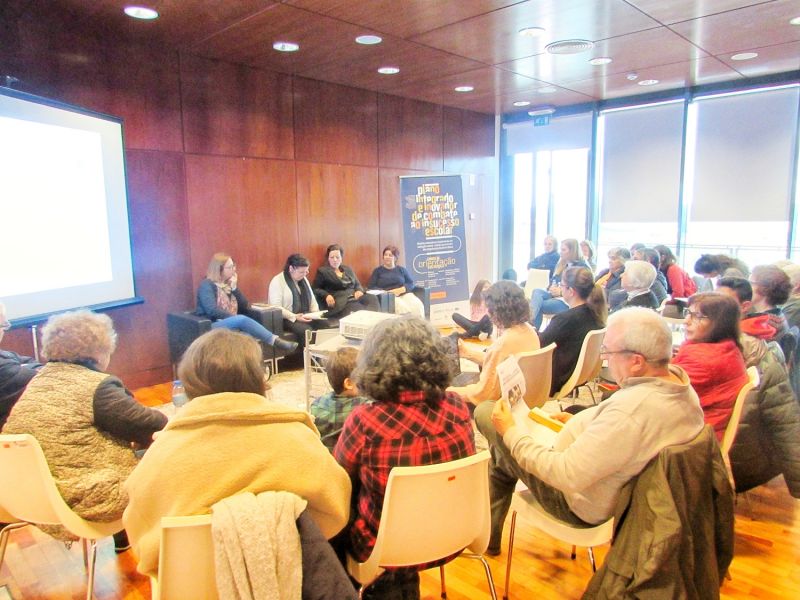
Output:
(92, 561)
(85, 555)
(441, 576)
(591, 560)
(4, 538)
(487, 569)
(510, 553)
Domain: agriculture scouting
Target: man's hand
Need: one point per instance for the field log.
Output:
(563, 417)
(501, 417)
(330, 300)
(357, 294)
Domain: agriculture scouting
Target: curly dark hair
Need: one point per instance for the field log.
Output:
(403, 354)
(507, 305)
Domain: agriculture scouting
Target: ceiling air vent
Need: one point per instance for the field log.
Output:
(569, 46)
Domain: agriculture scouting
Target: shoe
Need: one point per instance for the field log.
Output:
(121, 543)
(284, 346)
(492, 551)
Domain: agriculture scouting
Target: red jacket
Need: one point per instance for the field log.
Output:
(717, 373)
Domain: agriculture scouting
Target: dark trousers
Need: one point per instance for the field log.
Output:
(473, 328)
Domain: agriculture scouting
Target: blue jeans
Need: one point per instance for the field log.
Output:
(246, 325)
(542, 303)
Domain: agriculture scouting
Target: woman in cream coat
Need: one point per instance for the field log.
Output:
(230, 439)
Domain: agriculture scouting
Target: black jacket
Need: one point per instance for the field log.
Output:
(15, 373)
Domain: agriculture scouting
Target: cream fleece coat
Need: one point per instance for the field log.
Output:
(224, 444)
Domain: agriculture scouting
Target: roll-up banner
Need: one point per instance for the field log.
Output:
(432, 208)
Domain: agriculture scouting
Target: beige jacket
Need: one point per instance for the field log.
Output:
(224, 444)
(519, 338)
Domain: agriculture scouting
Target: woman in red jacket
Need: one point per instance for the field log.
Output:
(679, 284)
(712, 355)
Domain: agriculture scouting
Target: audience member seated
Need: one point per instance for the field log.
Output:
(337, 286)
(84, 419)
(549, 301)
(15, 372)
(331, 410)
(610, 279)
(587, 312)
(679, 284)
(229, 439)
(712, 266)
(637, 282)
(771, 288)
(712, 355)
(479, 321)
(636, 247)
(413, 421)
(659, 287)
(220, 300)
(547, 260)
(395, 279)
(588, 254)
(291, 291)
(510, 313)
(579, 478)
(791, 308)
(767, 442)
(509, 275)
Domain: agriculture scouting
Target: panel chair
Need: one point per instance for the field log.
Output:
(587, 367)
(429, 513)
(185, 561)
(29, 493)
(537, 368)
(736, 416)
(524, 504)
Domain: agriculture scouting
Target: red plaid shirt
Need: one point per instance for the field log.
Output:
(404, 433)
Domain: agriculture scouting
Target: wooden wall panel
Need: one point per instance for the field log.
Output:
(468, 141)
(235, 110)
(160, 239)
(335, 124)
(409, 134)
(339, 204)
(245, 207)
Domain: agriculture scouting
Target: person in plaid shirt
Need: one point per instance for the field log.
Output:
(403, 367)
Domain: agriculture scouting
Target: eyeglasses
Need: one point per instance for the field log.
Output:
(605, 351)
(5, 325)
(230, 266)
(695, 316)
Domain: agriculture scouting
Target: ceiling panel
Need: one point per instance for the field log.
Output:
(673, 11)
(770, 60)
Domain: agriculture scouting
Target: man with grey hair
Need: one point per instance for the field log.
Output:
(579, 478)
(637, 280)
(15, 372)
(791, 309)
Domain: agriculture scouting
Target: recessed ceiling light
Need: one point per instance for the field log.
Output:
(632, 76)
(542, 110)
(286, 46)
(646, 82)
(795, 21)
(389, 70)
(531, 31)
(369, 40)
(141, 12)
(464, 88)
(744, 56)
(548, 89)
(569, 46)
(600, 60)
(521, 103)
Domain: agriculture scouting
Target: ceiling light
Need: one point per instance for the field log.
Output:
(389, 70)
(600, 60)
(744, 56)
(368, 40)
(286, 46)
(141, 12)
(646, 82)
(569, 46)
(632, 76)
(795, 21)
(521, 103)
(548, 89)
(542, 110)
(464, 88)
(531, 31)
(8, 81)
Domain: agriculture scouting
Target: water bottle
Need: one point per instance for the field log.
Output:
(178, 394)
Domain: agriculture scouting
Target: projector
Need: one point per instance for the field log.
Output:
(357, 325)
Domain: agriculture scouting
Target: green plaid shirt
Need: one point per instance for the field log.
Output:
(330, 412)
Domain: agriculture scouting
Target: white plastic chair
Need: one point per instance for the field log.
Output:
(588, 365)
(28, 492)
(429, 513)
(525, 504)
(12, 523)
(537, 368)
(185, 561)
(736, 416)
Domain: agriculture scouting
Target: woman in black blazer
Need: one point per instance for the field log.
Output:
(338, 288)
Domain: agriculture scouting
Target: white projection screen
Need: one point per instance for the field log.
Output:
(65, 238)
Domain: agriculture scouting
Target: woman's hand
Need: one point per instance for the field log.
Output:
(555, 290)
(330, 300)
(357, 294)
(302, 318)
(398, 291)
(234, 280)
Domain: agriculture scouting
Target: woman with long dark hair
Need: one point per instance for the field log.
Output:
(479, 321)
(679, 284)
(290, 290)
(337, 286)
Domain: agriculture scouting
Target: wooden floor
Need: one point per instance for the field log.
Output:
(766, 564)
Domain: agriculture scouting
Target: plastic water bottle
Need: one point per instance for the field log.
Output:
(178, 394)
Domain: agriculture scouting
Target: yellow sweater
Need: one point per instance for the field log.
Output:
(223, 444)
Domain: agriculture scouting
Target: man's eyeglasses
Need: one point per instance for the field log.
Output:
(695, 316)
(5, 325)
(606, 352)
